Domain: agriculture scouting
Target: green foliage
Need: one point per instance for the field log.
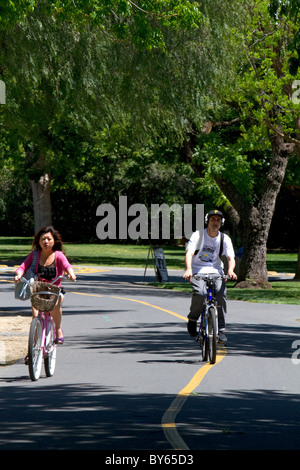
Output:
(255, 106)
(107, 91)
(139, 177)
(12, 12)
(75, 84)
(221, 161)
(142, 22)
(264, 89)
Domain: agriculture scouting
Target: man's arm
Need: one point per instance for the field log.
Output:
(231, 266)
(188, 264)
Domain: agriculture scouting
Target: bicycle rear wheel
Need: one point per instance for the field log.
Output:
(212, 335)
(50, 358)
(35, 352)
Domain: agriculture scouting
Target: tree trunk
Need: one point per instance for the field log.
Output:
(253, 271)
(253, 265)
(256, 220)
(41, 202)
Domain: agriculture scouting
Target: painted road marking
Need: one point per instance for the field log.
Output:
(86, 269)
(169, 418)
(81, 293)
(150, 305)
(78, 269)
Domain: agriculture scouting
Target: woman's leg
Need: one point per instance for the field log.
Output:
(35, 312)
(56, 314)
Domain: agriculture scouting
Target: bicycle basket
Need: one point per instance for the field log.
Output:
(44, 296)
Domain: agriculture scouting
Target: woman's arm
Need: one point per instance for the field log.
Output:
(23, 267)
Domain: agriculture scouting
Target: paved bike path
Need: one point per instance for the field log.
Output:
(127, 356)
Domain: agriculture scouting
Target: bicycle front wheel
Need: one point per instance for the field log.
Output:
(212, 335)
(205, 350)
(203, 345)
(50, 358)
(35, 352)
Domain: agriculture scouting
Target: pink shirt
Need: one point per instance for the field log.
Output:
(61, 263)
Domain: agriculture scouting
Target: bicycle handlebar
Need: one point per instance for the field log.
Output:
(210, 276)
(24, 280)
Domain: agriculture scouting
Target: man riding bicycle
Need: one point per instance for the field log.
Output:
(203, 255)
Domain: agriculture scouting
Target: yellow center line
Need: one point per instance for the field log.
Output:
(90, 295)
(150, 305)
(169, 417)
(168, 421)
(84, 270)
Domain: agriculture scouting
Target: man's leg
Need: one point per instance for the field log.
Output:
(199, 293)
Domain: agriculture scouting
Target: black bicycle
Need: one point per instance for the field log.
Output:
(208, 330)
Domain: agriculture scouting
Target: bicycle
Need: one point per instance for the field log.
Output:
(42, 333)
(208, 329)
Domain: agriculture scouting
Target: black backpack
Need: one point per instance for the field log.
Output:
(221, 244)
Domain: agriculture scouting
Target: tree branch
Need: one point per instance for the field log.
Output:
(236, 198)
(209, 125)
(281, 153)
(283, 136)
(139, 8)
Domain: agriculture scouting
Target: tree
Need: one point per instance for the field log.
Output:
(111, 41)
(40, 91)
(245, 149)
(291, 10)
(55, 40)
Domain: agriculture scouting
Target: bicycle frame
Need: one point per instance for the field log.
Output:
(45, 319)
(208, 329)
(210, 302)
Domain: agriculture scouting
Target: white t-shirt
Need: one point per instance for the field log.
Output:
(207, 258)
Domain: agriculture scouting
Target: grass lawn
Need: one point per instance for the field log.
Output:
(285, 292)
(14, 249)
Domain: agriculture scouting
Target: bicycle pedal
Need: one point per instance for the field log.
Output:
(221, 342)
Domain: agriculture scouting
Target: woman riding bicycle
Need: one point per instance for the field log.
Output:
(203, 255)
(50, 263)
